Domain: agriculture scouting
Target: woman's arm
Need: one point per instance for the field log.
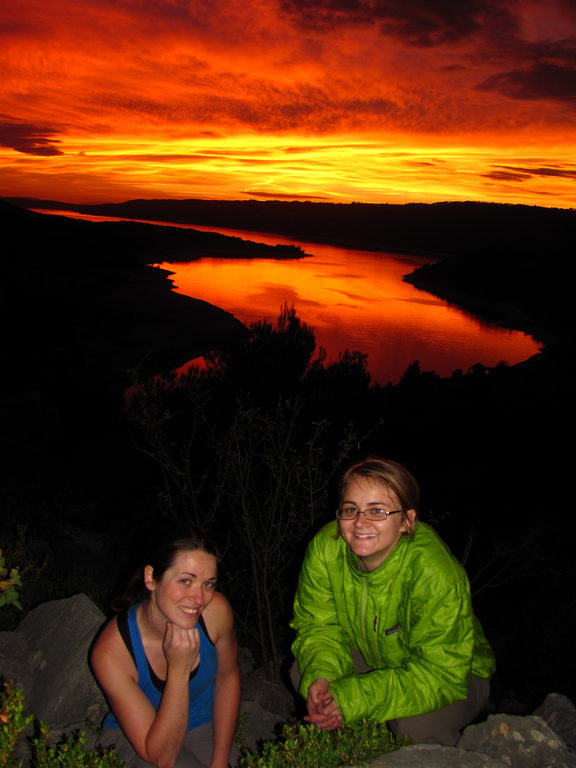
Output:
(431, 671)
(166, 735)
(227, 683)
(156, 736)
(321, 647)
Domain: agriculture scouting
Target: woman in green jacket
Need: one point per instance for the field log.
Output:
(384, 623)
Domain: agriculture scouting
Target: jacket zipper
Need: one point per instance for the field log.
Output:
(363, 602)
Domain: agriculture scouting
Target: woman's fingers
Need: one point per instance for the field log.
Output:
(327, 723)
(181, 646)
(323, 711)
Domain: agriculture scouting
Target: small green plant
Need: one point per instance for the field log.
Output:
(9, 582)
(71, 752)
(13, 723)
(68, 752)
(240, 731)
(305, 746)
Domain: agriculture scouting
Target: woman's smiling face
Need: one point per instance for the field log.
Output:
(372, 541)
(186, 587)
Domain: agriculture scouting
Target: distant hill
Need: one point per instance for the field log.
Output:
(513, 263)
(438, 229)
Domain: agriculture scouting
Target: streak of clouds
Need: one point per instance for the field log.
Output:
(375, 100)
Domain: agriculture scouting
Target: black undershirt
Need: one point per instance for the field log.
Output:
(122, 620)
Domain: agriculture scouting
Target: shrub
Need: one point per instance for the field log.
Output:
(9, 581)
(12, 724)
(306, 746)
(71, 752)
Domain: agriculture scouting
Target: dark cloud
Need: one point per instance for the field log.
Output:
(349, 295)
(423, 23)
(540, 81)
(156, 158)
(368, 106)
(566, 173)
(178, 10)
(506, 176)
(27, 138)
(324, 147)
(282, 196)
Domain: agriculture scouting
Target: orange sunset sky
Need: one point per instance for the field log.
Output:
(334, 100)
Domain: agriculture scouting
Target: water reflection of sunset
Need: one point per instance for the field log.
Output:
(309, 99)
(355, 300)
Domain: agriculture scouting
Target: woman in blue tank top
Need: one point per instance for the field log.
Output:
(168, 665)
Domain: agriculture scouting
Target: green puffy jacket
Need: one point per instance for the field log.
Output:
(411, 619)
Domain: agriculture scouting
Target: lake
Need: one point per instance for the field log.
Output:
(353, 299)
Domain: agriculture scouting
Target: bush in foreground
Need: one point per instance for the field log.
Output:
(69, 752)
(305, 746)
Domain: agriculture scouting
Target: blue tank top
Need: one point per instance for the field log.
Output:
(200, 687)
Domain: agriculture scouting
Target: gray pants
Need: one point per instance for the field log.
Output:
(444, 725)
(440, 727)
(196, 752)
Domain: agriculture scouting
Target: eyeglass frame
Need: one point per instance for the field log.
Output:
(358, 512)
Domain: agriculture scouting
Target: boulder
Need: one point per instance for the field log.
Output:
(435, 756)
(264, 707)
(560, 714)
(519, 742)
(58, 636)
(271, 696)
(14, 661)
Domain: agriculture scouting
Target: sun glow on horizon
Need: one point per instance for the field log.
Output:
(289, 99)
(335, 169)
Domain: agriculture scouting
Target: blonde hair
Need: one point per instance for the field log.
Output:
(395, 477)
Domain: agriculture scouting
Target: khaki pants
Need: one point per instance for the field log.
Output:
(444, 725)
(196, 751)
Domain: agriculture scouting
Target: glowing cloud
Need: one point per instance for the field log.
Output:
(387, 100)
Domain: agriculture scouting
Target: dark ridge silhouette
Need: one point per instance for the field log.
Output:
(513, 264)
(82, 305)
(134, 242)
(438, 228)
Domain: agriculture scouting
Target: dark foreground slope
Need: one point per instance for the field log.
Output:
(81, 304)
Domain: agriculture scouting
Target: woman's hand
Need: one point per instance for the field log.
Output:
(181, 648)
(323, 711)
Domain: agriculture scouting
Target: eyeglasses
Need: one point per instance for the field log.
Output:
(372, 513)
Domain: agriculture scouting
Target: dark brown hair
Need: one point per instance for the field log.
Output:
(159, 549)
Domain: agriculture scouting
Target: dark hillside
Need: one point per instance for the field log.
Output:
(439, 228)
(79, 298)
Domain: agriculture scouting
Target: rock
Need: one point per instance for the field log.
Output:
(256, 725)
(58, 635)
(435, 756)
(519, 742)
(14, 661)
(264, 707)
(245, 662)
(272, 696)
(560, 714)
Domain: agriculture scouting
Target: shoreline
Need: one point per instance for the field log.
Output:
(500, 313)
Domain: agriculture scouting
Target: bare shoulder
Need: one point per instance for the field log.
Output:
(110, 656)
(106, 640)
(219, 617)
